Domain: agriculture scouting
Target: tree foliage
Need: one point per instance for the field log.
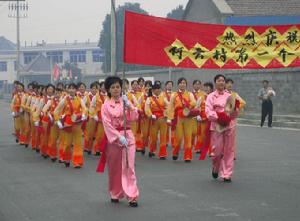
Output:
(105, 37)
(176, 13)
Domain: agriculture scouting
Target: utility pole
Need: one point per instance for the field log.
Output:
(113, 45)
(18, 10)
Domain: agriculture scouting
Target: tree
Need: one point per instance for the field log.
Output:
(105, 37)
(176, 13)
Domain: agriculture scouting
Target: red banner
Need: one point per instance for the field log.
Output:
(157, 41)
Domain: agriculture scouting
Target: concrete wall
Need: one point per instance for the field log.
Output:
(285, 83)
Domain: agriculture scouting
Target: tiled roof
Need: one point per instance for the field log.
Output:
(6, 45)
(264, 7)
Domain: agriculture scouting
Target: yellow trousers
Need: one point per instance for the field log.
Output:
(159, 127)
(202, 136)
(52, 142)
(89, 134)
(145, 132)
(137, 135)
(26, 128)
(44, 138)
(74, 139)
(184, 131)
(62, 143)
(98, 137)
(34, 136)
(18, 125)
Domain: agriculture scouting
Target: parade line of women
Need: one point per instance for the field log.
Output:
(62, 122)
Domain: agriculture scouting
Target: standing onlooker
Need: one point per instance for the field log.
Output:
(265, 94)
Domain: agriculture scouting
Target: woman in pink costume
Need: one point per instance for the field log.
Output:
(120, 147)
(221, 109)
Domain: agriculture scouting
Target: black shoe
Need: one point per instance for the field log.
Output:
(143, 152)
(162, 158)
(67, 164)
(133, 204)
(198, 152)
(114, 200)
(17, 141)
(151, 155)
(37, 150)
(45, 156)
(78, 167)
(187, 161)
(26, 145)
(227, 180)
(214, 175)
(97, 154)
(53, 160)
(60, 161)
(270, 126)
(138, 151)
(175, 157)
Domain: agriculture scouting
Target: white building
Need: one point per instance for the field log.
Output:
(7, 62)
(37, 60)
(88, 57)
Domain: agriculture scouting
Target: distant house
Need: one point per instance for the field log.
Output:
(87, 56)
(37, 61)
(7, 61)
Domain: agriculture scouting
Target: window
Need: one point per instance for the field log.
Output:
(29, 56)
(77, 56)
(3, 66)
(55, 56)
(98, 56)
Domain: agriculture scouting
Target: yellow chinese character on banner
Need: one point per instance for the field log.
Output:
(199, 55)
(177, 52)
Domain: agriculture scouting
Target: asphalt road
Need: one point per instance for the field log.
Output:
(266, 184)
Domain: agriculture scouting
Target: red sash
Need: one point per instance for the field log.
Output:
(206, 144)
(159, 113)
(195, 96)
(102, 98)
(168, 96)
(102, 160)
(141, 115)
(184, 102)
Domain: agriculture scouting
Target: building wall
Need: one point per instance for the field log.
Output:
(285, 83)
(88, 68)
(10, 74)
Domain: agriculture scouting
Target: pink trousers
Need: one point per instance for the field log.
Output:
(122, 179)
(223, 152)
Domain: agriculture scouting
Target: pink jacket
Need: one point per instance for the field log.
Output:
(216, 102)
(113, 119)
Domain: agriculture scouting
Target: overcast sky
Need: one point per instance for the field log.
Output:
(58, 20)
